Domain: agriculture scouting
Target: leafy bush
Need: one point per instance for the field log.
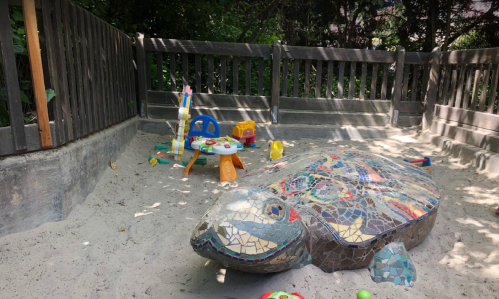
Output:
(23, 70)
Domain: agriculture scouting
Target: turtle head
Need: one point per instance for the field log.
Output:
(251, 230)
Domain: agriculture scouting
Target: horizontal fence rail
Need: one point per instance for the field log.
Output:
(85, 61)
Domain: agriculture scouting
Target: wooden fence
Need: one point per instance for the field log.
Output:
(293, 84)
(217, 94)
(466, 106)
(87, 62)
(469, 80)
(372, 104)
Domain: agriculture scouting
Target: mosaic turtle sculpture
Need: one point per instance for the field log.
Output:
(334, 208)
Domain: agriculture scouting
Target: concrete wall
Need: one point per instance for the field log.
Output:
(45, 186)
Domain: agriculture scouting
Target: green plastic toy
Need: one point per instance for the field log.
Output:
(363, 295)
(199, 161)
(161, 147)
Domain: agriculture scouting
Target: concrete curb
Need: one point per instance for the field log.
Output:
(477, 157)
(290, 131)
(45, 186)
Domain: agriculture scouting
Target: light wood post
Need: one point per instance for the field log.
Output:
(35, 60)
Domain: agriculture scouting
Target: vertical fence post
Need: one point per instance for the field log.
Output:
(35, 60)
(276, 72)
(11, 80)
(141, 79)
(397, 88)
(431, 93)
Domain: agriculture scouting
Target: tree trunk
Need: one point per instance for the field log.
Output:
(447, 26)
(434, 17)
(466, 29)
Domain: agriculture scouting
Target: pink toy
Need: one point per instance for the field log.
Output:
(281, 295)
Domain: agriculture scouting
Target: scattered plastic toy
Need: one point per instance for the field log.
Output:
(276, 150)
(245, 130)
(423, 163)
(199, 161)
(363, 295)
(155, 160)
(162, 147)
(220, 146)
(184, 113)
(281, 295)
(195, 134)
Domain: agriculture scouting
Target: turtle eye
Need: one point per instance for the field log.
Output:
(199, 230)
(274, 211)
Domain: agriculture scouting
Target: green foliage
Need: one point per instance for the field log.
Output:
(49, 94)
(415, 25)
(23, 69)
(17, 15)
(424, 24)
(471, 40)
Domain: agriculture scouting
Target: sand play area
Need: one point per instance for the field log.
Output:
(130, 239)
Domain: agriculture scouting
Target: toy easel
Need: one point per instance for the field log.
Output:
(184, 113)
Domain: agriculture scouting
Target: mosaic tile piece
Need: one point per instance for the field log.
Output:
(393, 264)
(336, 206)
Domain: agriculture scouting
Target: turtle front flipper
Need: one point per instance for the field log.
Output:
(251, 230)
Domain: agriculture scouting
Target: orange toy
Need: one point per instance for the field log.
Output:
(226, 148)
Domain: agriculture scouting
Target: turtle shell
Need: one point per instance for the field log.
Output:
(352, 204)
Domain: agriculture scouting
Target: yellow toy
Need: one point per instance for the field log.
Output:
(245, 130)
(184, 113)
(276, 150)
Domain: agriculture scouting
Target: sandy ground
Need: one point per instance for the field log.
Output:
(87, 256)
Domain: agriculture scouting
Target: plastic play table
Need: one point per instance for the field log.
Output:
(225, 147)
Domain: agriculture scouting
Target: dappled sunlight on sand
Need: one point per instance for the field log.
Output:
(221, 275)
(469, 221)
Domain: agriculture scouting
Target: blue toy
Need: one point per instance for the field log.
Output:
(424, 163)
(206, 120)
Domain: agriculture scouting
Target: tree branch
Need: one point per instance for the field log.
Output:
(252, 19)
(465, 29)
(257, 33)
